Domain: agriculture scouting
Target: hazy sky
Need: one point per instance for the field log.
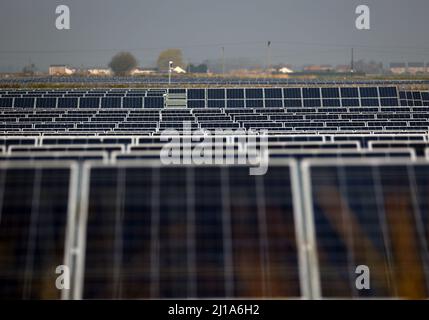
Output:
(301, 31)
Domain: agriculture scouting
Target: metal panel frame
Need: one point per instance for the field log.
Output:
(83, 218)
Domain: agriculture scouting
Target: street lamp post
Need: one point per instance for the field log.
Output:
(170, 69)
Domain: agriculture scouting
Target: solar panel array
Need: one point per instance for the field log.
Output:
(81, 185)
(277, 110)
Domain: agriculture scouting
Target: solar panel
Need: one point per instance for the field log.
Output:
(349, 92)
(255, 103)
(33, 228)
(196, 103)
(235, 93)
(312, 103)
(154, 102)
(273, 103)
(46, 103)
(6, 102)
(373, 214)
(133, 102)
(388, 92)
(24, 103)
(89, 102)
(216, 93)
(196, 94)
(292, 93)
(254, 93)
(111, 102)
(177, 232)
(311, 93)
(366, 92)
(330, 93)
(273, 93)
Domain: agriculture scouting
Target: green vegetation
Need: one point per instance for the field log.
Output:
(123, 63)
(168, 55)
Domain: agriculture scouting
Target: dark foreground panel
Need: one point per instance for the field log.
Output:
(166, 232)
(374, 215)
(33, 218)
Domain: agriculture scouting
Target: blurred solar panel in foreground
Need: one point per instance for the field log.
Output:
(178, 232)
(33, 217)
(374, 214)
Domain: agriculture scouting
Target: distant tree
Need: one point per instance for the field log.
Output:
(201, 68)
(123, 63)
(168, 55)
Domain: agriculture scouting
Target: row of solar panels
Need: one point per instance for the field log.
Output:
(159, 102)
(230, 154)
(152, 129)
(48, 140)
(141, 230)
(222, 93)
(204, 80)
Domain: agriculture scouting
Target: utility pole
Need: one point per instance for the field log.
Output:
(352, 64)
(223, 61)
(268, 56)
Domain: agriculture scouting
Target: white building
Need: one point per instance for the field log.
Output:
(99, 72)
(398, 68)
(416, 67)
(285, 70)
(60, 70)
(142, 72)
(179, 70)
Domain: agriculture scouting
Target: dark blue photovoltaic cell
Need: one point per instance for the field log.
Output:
(24, 103)
(271, 103)
(216, 93)
(349, 92)
(370, 103)
(368, 92)
(33, 222)
(46, 103)
(254, 103)
(234, 103)
(390, 102)
(6, 102)
(196, 94)
(388, 92)
(292, 93)
(330, 93)
(235, 93)
(311, 103)
(154, 102)
(310, 93)
(175, 233)
(196, 103)
(372, 215)
(293, 103)
(111, 102)
(68, 102)
(254, 93)
(132, 102)
(273, 93)
(89, 102)
(350, 102)
(331, 103)
(216, 103)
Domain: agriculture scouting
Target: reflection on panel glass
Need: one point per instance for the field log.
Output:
(374, 216)
(33, 216)
(190, 232)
